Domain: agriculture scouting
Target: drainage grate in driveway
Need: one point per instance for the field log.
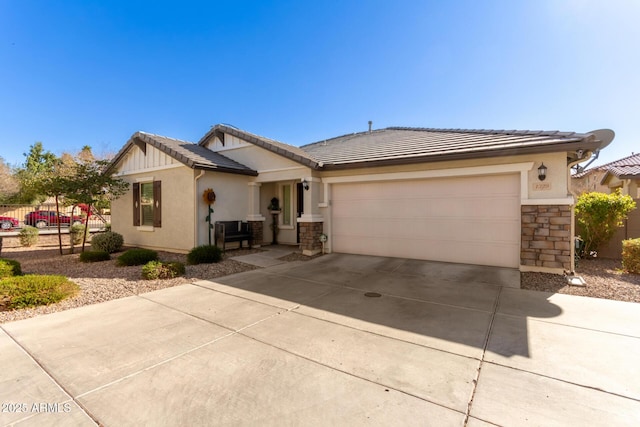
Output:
(372, 295)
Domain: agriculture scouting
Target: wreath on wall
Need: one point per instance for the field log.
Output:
(209, 196)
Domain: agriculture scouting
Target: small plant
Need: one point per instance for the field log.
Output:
(75, 233)
(9, 268)
(33, 290)
(137, 257)
(28, 236)
(205, 254)
(631, 255)
(108, 241)
(162, 270)
(94, 256)
(107, 226)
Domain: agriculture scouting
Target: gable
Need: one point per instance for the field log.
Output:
(136, 160)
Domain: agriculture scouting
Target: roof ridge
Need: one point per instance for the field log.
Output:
(488, 131)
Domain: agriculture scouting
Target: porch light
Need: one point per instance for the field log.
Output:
(305, 184)
(542, 172)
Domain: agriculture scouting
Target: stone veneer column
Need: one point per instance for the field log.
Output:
(257, 232)
(546, 236)
(310, 237)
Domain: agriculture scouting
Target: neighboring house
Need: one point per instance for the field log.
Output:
(623, 174)
(465, 196)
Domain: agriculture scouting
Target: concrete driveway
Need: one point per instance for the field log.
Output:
(301, 344)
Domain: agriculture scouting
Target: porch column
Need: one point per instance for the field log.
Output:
(254, 217)
(311, 222)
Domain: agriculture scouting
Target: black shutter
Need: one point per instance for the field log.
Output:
(157, 204)
(136, 204)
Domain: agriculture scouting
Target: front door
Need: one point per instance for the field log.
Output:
(299, 207)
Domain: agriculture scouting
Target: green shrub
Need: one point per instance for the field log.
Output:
(599, 215)
(94, 256)
(204, 254)
(75, 233)
(137, 257)
(108, 241)
(162, 270)
(9, 267)
(28, 236)
(33, 290)
(631, 255)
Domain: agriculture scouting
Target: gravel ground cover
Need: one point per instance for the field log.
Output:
(604, 277)
(104, 281)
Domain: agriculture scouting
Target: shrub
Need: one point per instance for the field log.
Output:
(162, 270)
(9, 267)
(631, 255)
(599, 215)
(33, 290)
(75, 233)
(28, 236)
(108, 241)
(204, 254)
(137, 257)
(94, 256)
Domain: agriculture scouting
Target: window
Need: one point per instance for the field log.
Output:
(146, 204)
(286, 204)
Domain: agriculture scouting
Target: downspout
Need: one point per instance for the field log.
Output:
(573, 215)
(195, 208)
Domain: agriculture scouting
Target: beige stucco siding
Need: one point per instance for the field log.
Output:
(232, 200)
(177, 231)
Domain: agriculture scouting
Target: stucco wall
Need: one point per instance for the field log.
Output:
(177, 231)
(232, 200)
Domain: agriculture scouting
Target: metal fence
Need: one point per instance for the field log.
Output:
(15, 217)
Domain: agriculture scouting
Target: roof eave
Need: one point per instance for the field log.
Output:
(248, 172)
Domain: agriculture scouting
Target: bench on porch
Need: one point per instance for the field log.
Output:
(232, 231)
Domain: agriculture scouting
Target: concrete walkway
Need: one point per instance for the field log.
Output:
(269, 257)
(300, 343)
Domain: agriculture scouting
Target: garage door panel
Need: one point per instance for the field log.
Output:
(467, 219)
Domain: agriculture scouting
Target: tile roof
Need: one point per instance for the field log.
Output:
(625, 171)
(187, 153)
(412, 145)
(630, 161)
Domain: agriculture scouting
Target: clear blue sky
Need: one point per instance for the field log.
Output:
(90, 72)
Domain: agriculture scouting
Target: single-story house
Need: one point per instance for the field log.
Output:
(623, 174)
(486, 197)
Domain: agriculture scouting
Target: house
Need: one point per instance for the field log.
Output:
(486, 197)
(623, 174)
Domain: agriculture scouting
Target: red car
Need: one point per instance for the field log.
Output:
(42, 219)
(7, 223)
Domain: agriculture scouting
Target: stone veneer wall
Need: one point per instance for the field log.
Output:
(257, 232)
(546, 236)
(310, 237)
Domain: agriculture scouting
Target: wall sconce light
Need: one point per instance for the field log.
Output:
(305, 184)
(542, 172)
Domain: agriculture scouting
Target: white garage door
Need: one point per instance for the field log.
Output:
(474, 220)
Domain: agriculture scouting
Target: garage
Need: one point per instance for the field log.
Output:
(470, 219)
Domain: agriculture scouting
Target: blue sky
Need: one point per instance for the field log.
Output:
(75, 73)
